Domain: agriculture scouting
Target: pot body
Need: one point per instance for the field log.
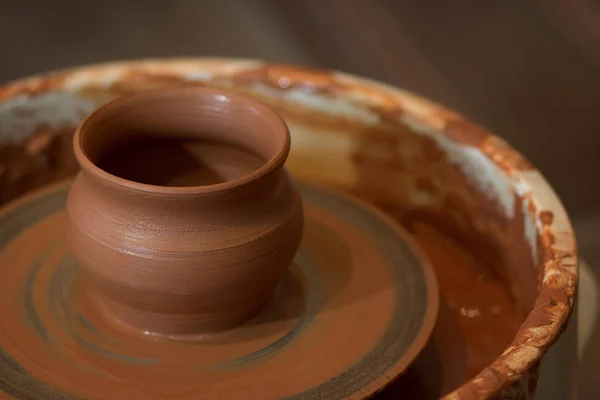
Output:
(179, 264)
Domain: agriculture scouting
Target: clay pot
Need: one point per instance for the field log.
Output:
(176, 257)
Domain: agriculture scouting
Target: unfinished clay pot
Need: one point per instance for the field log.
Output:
(183, 216)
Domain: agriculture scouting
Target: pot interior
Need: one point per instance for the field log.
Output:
(457, 205)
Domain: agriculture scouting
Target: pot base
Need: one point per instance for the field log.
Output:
(150, 324)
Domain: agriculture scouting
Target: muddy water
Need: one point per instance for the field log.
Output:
(477, 318)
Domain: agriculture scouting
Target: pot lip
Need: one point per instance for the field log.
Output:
(276, 161)
(559, 257)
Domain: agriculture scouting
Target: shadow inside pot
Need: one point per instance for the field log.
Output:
(172, 162)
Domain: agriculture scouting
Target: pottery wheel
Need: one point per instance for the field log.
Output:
(353, 312)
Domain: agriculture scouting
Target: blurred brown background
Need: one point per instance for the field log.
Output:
(527, 70)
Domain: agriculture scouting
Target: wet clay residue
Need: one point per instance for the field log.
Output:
(44, 157)
(286, 77)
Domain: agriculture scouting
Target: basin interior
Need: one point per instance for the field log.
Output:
(475, 239)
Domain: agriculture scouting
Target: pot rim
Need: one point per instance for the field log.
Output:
(275, 161)
(557, 246)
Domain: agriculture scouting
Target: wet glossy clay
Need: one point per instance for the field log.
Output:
(183, 217)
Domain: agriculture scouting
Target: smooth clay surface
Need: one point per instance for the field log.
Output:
(183, 217)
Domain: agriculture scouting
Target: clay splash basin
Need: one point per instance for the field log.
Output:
(497, 235)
